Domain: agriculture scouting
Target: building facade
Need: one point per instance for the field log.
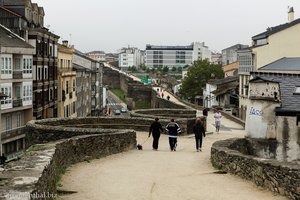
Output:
(129, 57)
(201, 52)
(276, 42)
(97, 55)
(169, 56)
(88, 85)
(31, 28)
(245, 67)
(175, 56)
(16, 82)
(66, 82)
(273, 111)
(229, 55)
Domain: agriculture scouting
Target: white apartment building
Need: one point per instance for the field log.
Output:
(16, 61)
(129, 57)
(201, 52)
(175, 56)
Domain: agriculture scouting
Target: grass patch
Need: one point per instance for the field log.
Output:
(119, 93)
(141, 104)
(59, 172)
(36, 147)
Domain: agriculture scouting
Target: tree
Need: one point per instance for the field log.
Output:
(165, 69)
(179, 69)
(197, 76)
(174, 69)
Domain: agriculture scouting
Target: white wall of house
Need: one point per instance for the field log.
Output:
(209, 98)
(261, 121)
(201, 52)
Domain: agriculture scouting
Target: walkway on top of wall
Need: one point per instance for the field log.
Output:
(162, 174)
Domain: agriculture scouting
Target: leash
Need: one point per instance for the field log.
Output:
(145, 141)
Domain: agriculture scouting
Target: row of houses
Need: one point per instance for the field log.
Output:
(262, 82)
(40, 78)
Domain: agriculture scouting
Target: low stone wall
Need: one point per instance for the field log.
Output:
(233, 118)
(164, 113)
(158, 102)
(35, 175)
(49, 130)
(279, 177)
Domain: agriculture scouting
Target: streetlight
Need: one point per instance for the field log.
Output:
(2, 96)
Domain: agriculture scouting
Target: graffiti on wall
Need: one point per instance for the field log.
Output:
(256, 112)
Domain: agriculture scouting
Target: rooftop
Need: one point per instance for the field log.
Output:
(283, 64)
(10, 39)
(275, 29)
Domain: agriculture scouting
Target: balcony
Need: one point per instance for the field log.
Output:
(12, 133)
(17, 74)
(17, 102)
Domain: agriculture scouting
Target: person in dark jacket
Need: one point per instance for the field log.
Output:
(199, 132)
(155, 129)
(173, 130)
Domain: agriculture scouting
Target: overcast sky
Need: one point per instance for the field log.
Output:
(109, 25)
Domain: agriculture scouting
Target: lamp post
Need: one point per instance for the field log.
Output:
(2, 96)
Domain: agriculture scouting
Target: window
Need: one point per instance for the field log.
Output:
(67, 87)
(74, 86)
(46, 73)
(8, 122)
(297, 91)
(6, 65)
(27, 65)
(39, 73)
(7, 91)
(19, 119)
(27, 93)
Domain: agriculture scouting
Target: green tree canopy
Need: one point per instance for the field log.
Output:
(197, 76)
(165, 69)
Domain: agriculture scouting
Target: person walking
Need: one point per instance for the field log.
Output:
(173, 130)
(199, 132)
(155, 129)
(217, 117)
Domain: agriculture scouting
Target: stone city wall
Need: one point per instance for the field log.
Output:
(37, 172)
(158, 102)
(279, 177)
(165, 113)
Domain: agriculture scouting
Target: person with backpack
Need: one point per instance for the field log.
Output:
(199, 132)
(173, 130)
(155, 129)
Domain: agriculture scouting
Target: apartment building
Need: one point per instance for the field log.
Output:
(129, 57)
(27, 20)
(88, 85)
(175, 56)
(229, 55)
(66, 82)
(16, 73)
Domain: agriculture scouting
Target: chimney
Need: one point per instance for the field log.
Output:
(65, 43)
(291, 14)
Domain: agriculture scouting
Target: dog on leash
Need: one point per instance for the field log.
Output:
(139, 147)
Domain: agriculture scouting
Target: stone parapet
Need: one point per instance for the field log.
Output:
(35, 175)
(279, 177)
